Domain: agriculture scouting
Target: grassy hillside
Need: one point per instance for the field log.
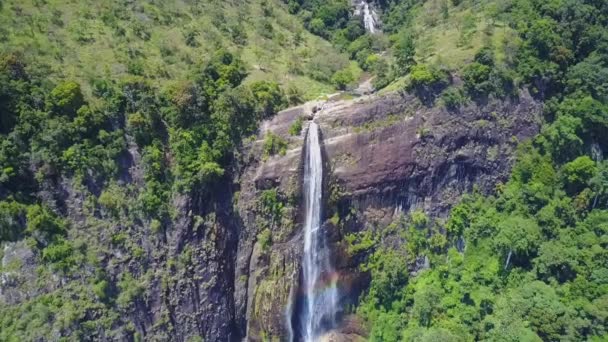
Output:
(446, 34)
(164, 41)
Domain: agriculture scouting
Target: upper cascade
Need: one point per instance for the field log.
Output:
(370, 17)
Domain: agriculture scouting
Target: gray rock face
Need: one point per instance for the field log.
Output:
(385, 155)
(18, 273)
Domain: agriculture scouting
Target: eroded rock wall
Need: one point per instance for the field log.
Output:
(384, 156)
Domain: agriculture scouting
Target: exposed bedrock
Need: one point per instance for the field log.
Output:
(383, 155)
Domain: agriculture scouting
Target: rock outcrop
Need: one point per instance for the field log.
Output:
(384, 155)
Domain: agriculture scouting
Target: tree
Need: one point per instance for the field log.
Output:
(342, 78)
(67, 98)
(476, 77)
(517, 236)
(562, 137)
(12, 220)
(426, 81)
(269, 98)
(593, 113)
(578, 173)
(43, 225)
(404, 51)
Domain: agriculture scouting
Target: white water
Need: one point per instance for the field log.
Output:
(321, 294)
(368, 18)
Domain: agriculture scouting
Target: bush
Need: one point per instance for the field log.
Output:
(342, 78)
(43, 225)
(578, 173)
(274, 144)
(476, 77)
(131, 289)
(12, 220)
(294, 95)
(404, 51)
(67, 98)
(271, 204)
(296, 127)
(102, 290)
(453, 98)
(265, 239)
(482, 80)
(269, 97)
(61, 254)
(485, 56)
(426, 81)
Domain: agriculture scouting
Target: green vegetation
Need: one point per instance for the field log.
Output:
(528, 263)
(296, 127)
(88, 93)
(426, 81)
(113, 113)
(86, 41)
(274, 144)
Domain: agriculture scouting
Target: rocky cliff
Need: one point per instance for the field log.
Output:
(229, 268)
(384, 156)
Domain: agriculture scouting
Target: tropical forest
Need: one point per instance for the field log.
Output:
(304, 170)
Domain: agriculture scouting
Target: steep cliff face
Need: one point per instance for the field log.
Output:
(383, 155)
(229, 268)
(185, 271)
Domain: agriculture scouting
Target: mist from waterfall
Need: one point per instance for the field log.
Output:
(319, 307)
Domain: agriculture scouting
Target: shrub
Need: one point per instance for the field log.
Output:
(578, 173)
(482, 80)
(102, 290)
(60, 253)
(274, 144)
(269, 97)
(272, 204)
(453, 98)
(294, 95)
(476, 77)
(404, 51)
(265, 239)
(342, 78)
(426, 81)
(12, 220)
(296, 127)
(67, 98)
(140, 127)
(485, 56)
(131, 289)
(42, 224)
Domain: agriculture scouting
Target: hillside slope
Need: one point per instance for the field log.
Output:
(151, 177)
(164, 42)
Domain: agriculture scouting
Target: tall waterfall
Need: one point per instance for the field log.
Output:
(318, 311)
(368, 17)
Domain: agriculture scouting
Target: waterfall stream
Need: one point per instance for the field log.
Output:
(318, 312)
(368, 18)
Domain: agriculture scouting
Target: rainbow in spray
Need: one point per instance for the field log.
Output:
(318, 312)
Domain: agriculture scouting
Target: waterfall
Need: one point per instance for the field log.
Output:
(368, 18)
(318, 310)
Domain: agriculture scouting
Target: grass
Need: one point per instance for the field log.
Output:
(86, 40)
(453, 41)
